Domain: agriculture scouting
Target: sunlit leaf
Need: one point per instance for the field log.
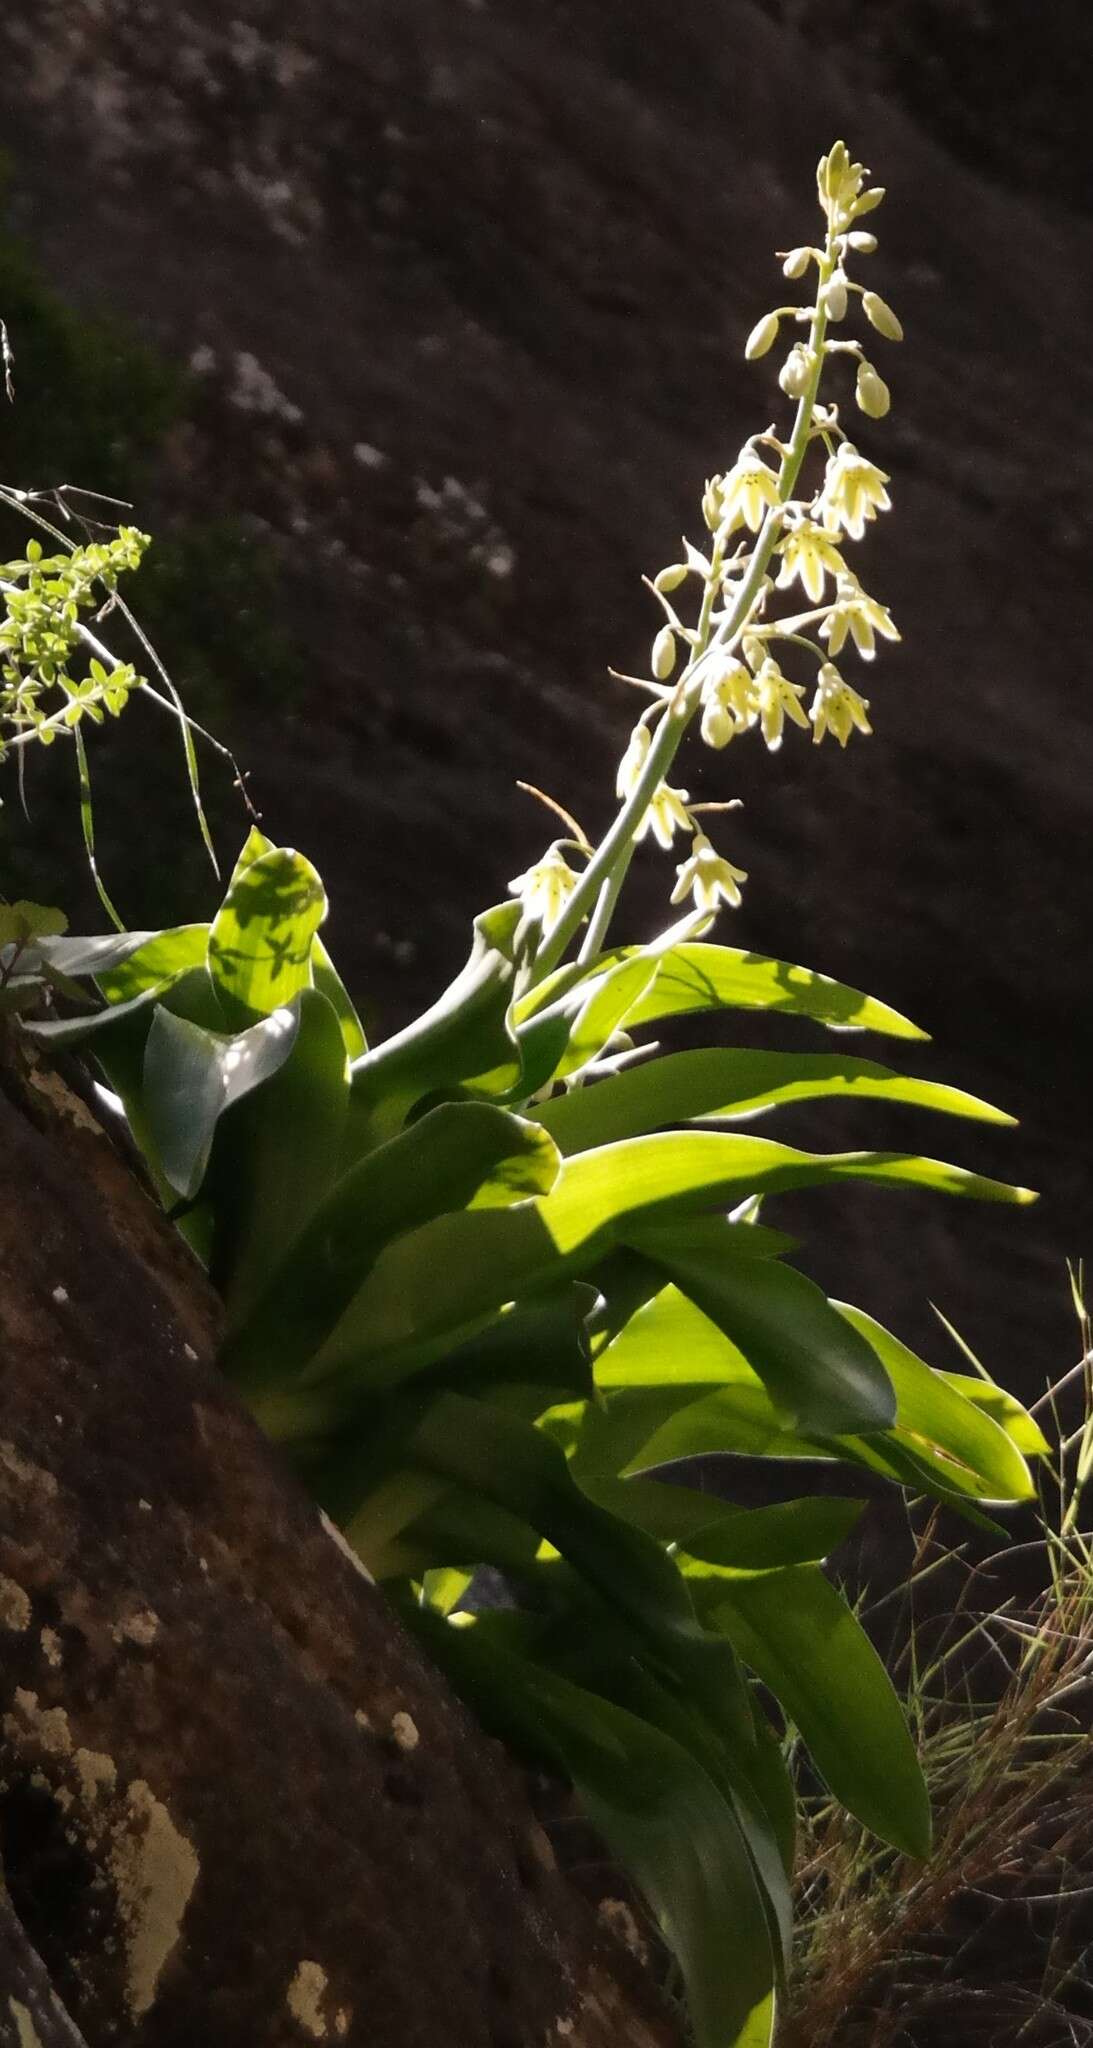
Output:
(259, 945)
(712, 1083)
(782, 1324)
(799, 1636)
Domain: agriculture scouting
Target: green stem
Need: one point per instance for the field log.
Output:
(607, 870)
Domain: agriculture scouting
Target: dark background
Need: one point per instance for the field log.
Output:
(414, 326)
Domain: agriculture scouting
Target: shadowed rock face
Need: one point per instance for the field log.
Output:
(465, 290)
(235, 1805)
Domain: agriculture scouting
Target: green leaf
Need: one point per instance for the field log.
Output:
(657, 1809)
(724, 1083)
(1004, 1409)
(454, 1155)
(192, 1075)
(514, 1464)
(933, 1410)
(788, 1532)
(23, 921)
(126, 964)
(782, 1324)
(259, 946)
(465, 1035)
(705, 977)
(799, 1636)
(275, 1155)
(440, 1282)
(330, 984)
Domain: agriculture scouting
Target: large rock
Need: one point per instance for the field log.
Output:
(235, 1804)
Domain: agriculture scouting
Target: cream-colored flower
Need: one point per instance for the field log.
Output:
(836, 707)
(748, 492)
(853, 492)
(545, 889)
(859, 616)
(633, 761)
(838, 180)
(728, 702)
(708, 877)
(666, 815)
(810, 554)
(777, 699)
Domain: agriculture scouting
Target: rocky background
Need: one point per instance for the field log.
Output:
(414, 326)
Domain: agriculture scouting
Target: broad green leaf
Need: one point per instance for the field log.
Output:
(192, 1075)
(454, 1155)
(514, 1464)
(465, 1035)
(159, 960)
(931, 1409)
(438, 1284)
(656, 1808)
(782, 1324)
(252, 849)
(275, 1155)
(22, 921)
(259, 945)
(330, 984)
(62, 1032)
(788, 1532)
(799, 1636)
(685, 1086)
(1023, 1430)
(698, 976)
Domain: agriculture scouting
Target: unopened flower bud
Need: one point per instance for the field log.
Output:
(762, 337)
(795, 262)
(833, 296)
(880, 315)
(670, 579)
(711, 504)
(861, 240)
(872, 393)
(866, 201)
(796, 371)
(664, 653)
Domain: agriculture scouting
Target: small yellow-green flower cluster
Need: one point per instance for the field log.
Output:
(41, 632)
(781, 515)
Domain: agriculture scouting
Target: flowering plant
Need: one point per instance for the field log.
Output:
(485, 1280)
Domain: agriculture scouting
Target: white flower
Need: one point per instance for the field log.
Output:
(859, 616)
(836, 707)
(796, 371)
(838, 180)
(748, 492)
(728, 703)
(833, 295)
(853, 492)
(545, 889)
(707, 877)
(633, 761)
(667, 814)
(809, 553)
(776, 700)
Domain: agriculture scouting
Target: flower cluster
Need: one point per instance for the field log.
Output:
(777, 522)
(42, 634)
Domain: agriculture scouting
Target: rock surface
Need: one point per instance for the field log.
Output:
(235, 1805)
